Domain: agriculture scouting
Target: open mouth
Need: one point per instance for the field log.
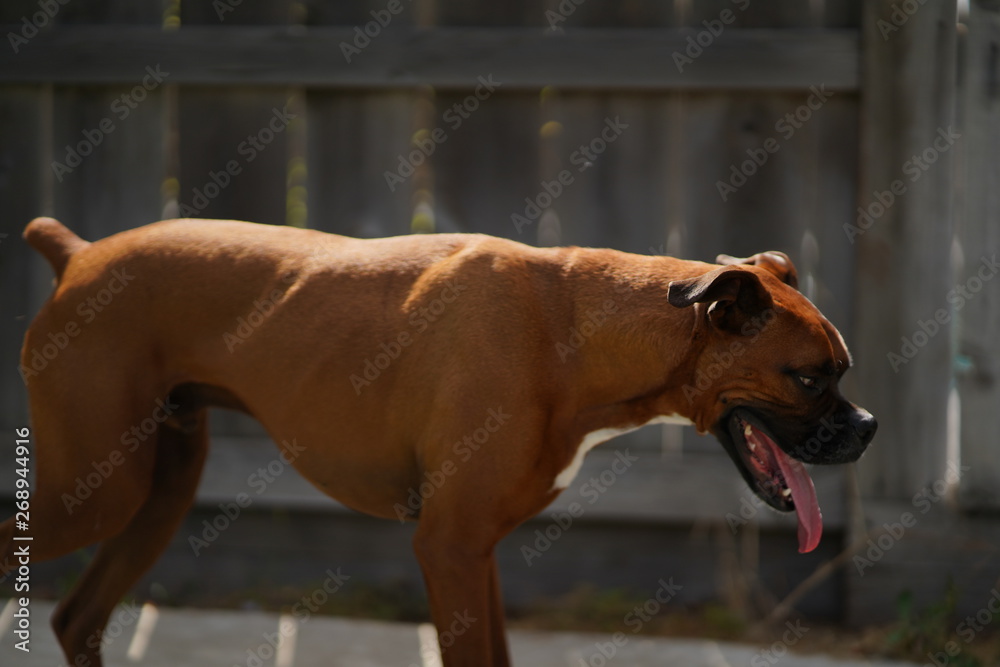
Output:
(776, 477)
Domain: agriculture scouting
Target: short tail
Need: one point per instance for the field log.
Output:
(55, 242)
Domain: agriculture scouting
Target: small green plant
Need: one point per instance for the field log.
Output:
(919, 633)
(722, 622)
(585, 608)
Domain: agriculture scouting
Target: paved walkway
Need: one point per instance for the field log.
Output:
(196, 638)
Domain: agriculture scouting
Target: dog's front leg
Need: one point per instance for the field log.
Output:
(464, 593)
(461, 586)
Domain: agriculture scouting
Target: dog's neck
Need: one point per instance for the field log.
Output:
(616, 353)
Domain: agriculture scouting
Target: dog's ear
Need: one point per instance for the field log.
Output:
(774, 261)
(736, 295)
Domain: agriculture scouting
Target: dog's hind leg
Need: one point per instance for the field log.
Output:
(81, 617)
(499, 643)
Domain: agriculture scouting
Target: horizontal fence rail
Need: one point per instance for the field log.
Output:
(685, 59)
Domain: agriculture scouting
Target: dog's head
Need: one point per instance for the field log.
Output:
(766, 379)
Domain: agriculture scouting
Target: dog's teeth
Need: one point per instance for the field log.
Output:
(747, 431)
(787, 493)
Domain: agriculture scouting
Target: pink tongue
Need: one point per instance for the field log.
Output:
(804, 496)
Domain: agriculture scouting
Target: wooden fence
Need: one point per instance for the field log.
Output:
(687, 128)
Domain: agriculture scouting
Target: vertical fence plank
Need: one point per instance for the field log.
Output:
(634, 14)
(233, 153)
(79, 153)
(489, 163)
(760, 172)
(233, 149)
(904, 272)
(613, 146)
(348, 12)
(743, 194)
(748, 14)
(354, 140)
(148, 12)
(841, 13)
(358, 140)
(903, 277)
(23, 133)
(107, 161)
(979, 320)
(20, 200)
(751, 179)
(569, 122)
(614, 149)
(490, 160)
(242, 128)
(826, 255)
(115, 183)
(753, 162)
(22, 138)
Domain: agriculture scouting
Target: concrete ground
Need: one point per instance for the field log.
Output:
(198, 638)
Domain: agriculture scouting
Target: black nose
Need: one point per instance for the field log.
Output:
(864, 425)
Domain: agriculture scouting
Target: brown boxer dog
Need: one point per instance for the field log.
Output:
(457, 380)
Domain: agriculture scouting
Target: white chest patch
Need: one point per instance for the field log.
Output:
(594, 438)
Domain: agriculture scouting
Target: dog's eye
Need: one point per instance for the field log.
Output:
(807, 381)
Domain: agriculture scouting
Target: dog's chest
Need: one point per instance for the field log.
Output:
(594, 438)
